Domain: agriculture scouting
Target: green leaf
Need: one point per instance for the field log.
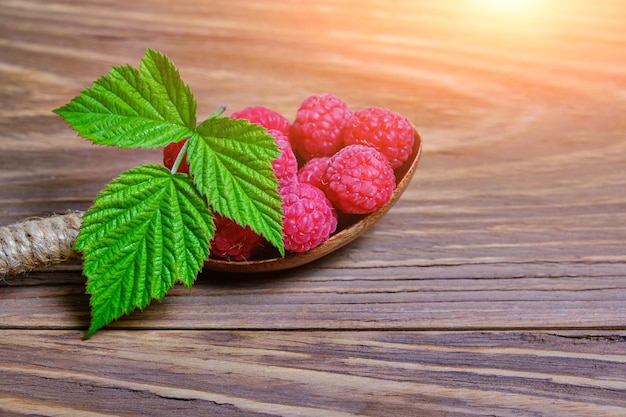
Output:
(231, 163)
(147, 230)
(146, 107)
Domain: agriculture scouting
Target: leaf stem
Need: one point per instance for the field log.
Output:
(179, 157)
(218, 112)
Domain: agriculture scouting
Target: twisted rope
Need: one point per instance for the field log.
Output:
(38, 242)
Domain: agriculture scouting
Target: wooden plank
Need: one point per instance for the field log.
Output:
(345, 298)
(313, 373)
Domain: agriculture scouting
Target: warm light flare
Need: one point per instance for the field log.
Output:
(510, 16)
(508, 6)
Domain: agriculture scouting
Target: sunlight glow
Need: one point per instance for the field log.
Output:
(508, 6)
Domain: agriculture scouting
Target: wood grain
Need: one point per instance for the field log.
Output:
(316, 373)
(495, 286)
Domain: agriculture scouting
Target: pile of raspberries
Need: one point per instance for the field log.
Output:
(333, 162)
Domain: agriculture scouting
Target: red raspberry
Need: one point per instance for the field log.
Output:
(313, 171)
(309, 218)
(318, 127)
(389, 132)
(359, 180)
(233, 242)
(265, 117)
(286, 165)
(170, 152)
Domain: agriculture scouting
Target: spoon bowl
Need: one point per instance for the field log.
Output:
(349, 229)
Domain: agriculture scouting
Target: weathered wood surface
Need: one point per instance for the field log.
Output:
(495, 286)
(317, 373)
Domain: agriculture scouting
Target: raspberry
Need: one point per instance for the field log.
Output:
(313, 171)
(318, 127)
(359, 180)
(265, 117)
(309, 218)
(233, 242)
(170, 152)
(389, 132)
(286, 165)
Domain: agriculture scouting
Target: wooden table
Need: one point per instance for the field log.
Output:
(495, 286)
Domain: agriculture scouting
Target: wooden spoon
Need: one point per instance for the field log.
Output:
(349, 230)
